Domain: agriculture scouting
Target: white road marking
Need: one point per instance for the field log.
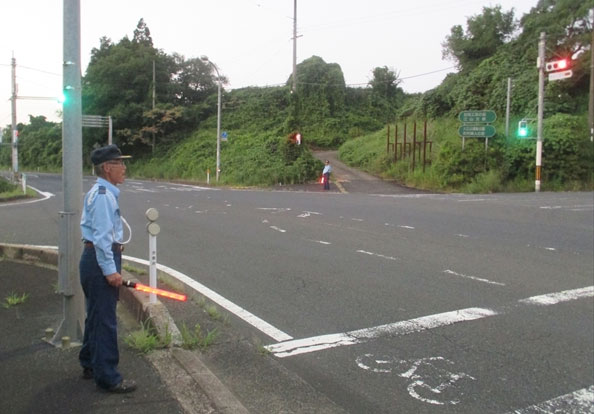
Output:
(318, 343)
(580, 401)
(193, 187)
(278, 229)
(422, 371)
(478, 279)
(462, 235)
(238, 311)
(320, 241)
(308, 214)
(274, 209)
(357, 219)
(377, 255)
(44, 194)
(555, 298)
(407, 227)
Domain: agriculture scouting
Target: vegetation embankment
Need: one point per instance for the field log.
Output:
(177, 138)
(10, 191)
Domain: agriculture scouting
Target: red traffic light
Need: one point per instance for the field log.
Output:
(556, 65)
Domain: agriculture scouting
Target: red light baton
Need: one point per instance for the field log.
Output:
(160, 292)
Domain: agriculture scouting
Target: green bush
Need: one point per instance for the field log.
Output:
(6, 186)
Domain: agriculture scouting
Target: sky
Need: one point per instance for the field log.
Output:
(249, 40)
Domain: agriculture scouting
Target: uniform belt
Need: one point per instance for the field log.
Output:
(116, 246)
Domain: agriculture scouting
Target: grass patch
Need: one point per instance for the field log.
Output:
(192, 339)
(14, 299)
(9, 191)
(133, 269)
(145, 340)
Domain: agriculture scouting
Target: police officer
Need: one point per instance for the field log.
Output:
(326, 173)
(100, 271)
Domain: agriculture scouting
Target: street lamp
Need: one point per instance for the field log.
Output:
(205, 59)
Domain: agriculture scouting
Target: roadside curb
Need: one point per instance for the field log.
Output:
(137, 303)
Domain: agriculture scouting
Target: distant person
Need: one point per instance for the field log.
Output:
(326, 174)
(100, 271)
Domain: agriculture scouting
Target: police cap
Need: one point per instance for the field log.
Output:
(107, 153)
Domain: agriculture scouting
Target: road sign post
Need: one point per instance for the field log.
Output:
(476, 125)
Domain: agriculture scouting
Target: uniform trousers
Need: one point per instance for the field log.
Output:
(100, 342)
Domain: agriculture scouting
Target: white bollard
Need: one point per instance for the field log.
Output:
(153, 229)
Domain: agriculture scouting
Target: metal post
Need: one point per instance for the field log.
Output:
(591, 100)
(424, 144)
(109, 131)
(539, 138)
(218, 166)
(153, 266)
(14, 132)
(294, 89)
(152, 214)
(414, 146)
(154, 94)
(509, 86)
(396, 142)
(388, 140)
(70, 245)
(218, 130)
(404, 142)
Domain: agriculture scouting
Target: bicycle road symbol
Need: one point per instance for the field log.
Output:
(429, 379)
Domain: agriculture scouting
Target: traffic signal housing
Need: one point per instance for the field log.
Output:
(523, 131)
(556, 65)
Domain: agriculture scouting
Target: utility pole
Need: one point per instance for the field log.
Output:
(509, 87)
(541, 69)
(591, 101)
(154, 92)
(70, 247)
(294, 88)
(14, 132)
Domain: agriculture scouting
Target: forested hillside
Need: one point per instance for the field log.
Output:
(177, 137)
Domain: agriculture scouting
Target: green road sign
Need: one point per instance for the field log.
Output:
(478, 116)
(478, 131)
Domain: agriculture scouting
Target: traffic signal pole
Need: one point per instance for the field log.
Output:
(539, 138)
(70, 247)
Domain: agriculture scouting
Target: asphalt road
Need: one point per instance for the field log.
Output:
(387, 303)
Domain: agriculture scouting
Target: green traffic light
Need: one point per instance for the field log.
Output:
(62, 98)
(523, 129)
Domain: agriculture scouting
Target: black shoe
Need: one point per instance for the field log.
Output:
(87, 373)
(123, 387)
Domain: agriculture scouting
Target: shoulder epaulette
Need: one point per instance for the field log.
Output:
(102, 189)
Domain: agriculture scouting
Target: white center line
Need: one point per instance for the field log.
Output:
(377, 255)
(478, 279)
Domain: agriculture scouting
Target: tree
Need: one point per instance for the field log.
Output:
(118, 82)
(142, 34)
(193, 80)
(484, 34)
(385, 92)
